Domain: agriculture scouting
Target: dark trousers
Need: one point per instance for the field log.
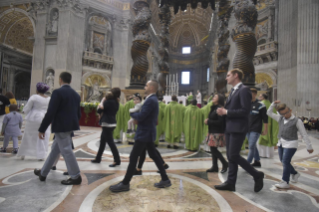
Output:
(216, 154)
(143, 155)
(234, 142)
(107, 137)
(137, 150)
(285, 155)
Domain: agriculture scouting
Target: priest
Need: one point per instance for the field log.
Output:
(160, 120)
(173, 122)
(268, 142)
(193, 127)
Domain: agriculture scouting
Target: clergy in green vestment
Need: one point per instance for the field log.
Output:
(269, 141)
(173, 122)
(205, 111)
(119, 123)
(160, 120)
(193, 127)
(190, 98)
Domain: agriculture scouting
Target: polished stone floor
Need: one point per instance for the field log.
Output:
(192, 188)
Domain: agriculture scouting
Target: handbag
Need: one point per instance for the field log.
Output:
(215, 140)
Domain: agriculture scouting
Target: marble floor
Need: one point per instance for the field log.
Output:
(192, 188)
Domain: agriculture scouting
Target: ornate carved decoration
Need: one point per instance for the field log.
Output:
(165, 20)
(243, 35)
(178, 4)
(223, 45)
(141, 43)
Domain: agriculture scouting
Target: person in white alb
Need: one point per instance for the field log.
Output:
(289, 126)
(199, 99)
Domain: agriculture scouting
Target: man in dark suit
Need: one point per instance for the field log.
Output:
(144, 139)
(64, 114)
(237, 110)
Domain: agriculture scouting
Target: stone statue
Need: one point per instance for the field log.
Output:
(263, 86)
(50, 81)
(53, 24)
(94, 94)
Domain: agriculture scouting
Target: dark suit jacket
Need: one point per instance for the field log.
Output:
(238, 109)
(109, 112)
(147, 119)
(63, 112)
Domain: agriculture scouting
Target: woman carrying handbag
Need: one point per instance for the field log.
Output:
(215, 137)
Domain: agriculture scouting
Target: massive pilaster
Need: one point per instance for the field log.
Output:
(298, 58)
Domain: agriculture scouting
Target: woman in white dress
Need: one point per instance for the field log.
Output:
(35, 109)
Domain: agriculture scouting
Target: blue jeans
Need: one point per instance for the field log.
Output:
(285, 155)
(253, 151)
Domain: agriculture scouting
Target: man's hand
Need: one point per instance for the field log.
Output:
(135, 122)
(221, 111)
(2, 134)
(41, 136)
(277, 102)
(310, 151)
(206, 121)
(265, 132)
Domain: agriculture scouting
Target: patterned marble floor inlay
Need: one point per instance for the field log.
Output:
(92, 177)
(143, 196)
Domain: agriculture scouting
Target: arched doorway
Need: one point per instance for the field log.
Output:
(22, 85)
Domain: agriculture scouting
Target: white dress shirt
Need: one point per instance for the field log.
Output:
(290, 144)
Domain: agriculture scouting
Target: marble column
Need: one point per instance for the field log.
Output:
(298, 58)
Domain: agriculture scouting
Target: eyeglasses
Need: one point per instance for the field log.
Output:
(283, 114)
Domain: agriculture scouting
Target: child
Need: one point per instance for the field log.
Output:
(137, 108)
(11, 127)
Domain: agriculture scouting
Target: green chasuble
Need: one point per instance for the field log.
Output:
(189, 99)
(126, 113)
(160, 121)
(173, 122)
(271, 138)
(193, 127)
(119, 122)
(205, 111)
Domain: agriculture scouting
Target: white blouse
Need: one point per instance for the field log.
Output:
(36, 108)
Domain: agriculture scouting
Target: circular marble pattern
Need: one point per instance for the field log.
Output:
(143, 196)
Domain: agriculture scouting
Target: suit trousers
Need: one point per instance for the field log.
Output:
(143, 155)
(107, 137)
(137, 150)
(62, 144)
(234, 142)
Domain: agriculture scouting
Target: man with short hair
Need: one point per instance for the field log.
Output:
(237, 111)
(64, 113)
(289, 126)
(144, 139)
(258, 116)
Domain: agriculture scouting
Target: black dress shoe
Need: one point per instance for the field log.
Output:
(168, 146)
(256, 164)
(176, 147)
(225, 187)
(114, 164)
(65, 173)
(95, 161)
(38, 173)
(213, 169)
(259, 182)
(53, 168)
(136, 172)
(163, 184)
(71, 181)
(224, 169)
(120, 187)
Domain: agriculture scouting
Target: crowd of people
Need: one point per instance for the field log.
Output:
(223, 122)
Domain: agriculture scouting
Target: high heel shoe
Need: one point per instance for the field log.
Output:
(213, 169)
(224, 169)
(114, 164)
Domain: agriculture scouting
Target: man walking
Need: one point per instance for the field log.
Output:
(237, 111)
(144, 139)
(64, 114)
(258, 116)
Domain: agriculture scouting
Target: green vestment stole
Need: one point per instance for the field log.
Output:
(119, 123)
(173, 122)
(193, 127)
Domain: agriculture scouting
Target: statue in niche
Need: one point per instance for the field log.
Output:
(263, 86)
(50, 81)
(52, 26)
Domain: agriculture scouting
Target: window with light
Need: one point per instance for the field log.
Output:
(207, 74)
(187, 50)
(185, 78)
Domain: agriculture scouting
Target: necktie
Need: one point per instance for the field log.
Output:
(231, 93)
